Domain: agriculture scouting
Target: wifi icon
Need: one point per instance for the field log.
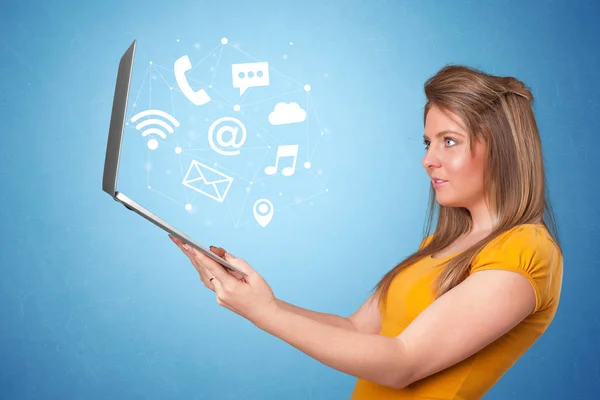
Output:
(154, 126)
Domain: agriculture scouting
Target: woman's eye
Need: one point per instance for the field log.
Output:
(450, 140)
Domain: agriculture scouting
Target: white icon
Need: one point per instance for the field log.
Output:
(182, 65)
(207, 181)
(290, 150)
(233, 126)
(287, 113)
(263, 212)
(153, 143)
(249, 75)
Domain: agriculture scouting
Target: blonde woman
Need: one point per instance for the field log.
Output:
(452, 318)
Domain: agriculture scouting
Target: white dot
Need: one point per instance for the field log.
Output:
(170, 87)
(224, 40)
(178, 150)
(327, 190)
(177, 40)
(197, 45)
(263, 208)
(188, 207)
(150, 62)
(307, 88)
(307, 165)
(285, 56)
(152, 144)
(280, 193)
(291, 43)
(210, 86)
(236, 107)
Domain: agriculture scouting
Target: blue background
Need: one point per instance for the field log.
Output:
(97, 303)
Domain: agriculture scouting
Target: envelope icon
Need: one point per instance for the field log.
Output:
(207, 181)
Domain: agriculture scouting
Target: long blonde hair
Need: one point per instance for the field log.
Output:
(497, 110)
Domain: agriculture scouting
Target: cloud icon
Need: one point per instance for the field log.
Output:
(287, 113)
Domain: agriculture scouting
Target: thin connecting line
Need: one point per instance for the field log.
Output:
(295, 203)
(321, 131)
(216, 66)
(271, 98)
(148, 168)
(259, 128)
(162, 77)
(208, 55)
(140, 91)
(306, 127)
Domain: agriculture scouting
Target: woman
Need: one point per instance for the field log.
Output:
(448, 321)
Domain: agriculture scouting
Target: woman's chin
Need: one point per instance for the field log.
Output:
(447, 201)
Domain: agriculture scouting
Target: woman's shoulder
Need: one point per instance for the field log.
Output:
(519, 236)
(522, 240)
(530, 250)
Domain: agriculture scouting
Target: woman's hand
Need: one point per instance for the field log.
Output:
(249, 296)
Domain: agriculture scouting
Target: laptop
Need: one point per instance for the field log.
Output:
(113, 151)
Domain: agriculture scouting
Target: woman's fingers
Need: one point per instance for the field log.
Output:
(204, 275)
(218, 251)
(205, 278)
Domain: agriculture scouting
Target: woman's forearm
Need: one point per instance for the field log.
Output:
(330, 319)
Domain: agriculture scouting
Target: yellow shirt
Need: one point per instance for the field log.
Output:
(527, 249)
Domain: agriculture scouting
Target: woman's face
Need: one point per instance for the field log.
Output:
(449, 158)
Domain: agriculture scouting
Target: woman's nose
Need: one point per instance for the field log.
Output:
(430, 160)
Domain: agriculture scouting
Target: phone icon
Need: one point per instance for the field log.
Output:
(198, 97)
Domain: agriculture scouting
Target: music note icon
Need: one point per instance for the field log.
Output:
(290, 150)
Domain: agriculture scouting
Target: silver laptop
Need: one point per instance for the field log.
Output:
(113, 151)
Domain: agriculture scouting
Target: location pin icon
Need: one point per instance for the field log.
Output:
(263, 212)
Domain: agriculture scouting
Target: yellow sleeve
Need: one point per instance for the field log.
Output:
(530, 251)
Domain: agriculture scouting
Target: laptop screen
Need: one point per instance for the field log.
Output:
(117, 122)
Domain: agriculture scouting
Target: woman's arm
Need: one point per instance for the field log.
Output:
(329, 319)
(463, 321)
(366, 319)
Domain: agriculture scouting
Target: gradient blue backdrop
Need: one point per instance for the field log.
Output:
(97, 303)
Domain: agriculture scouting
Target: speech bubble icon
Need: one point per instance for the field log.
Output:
(247, 75)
